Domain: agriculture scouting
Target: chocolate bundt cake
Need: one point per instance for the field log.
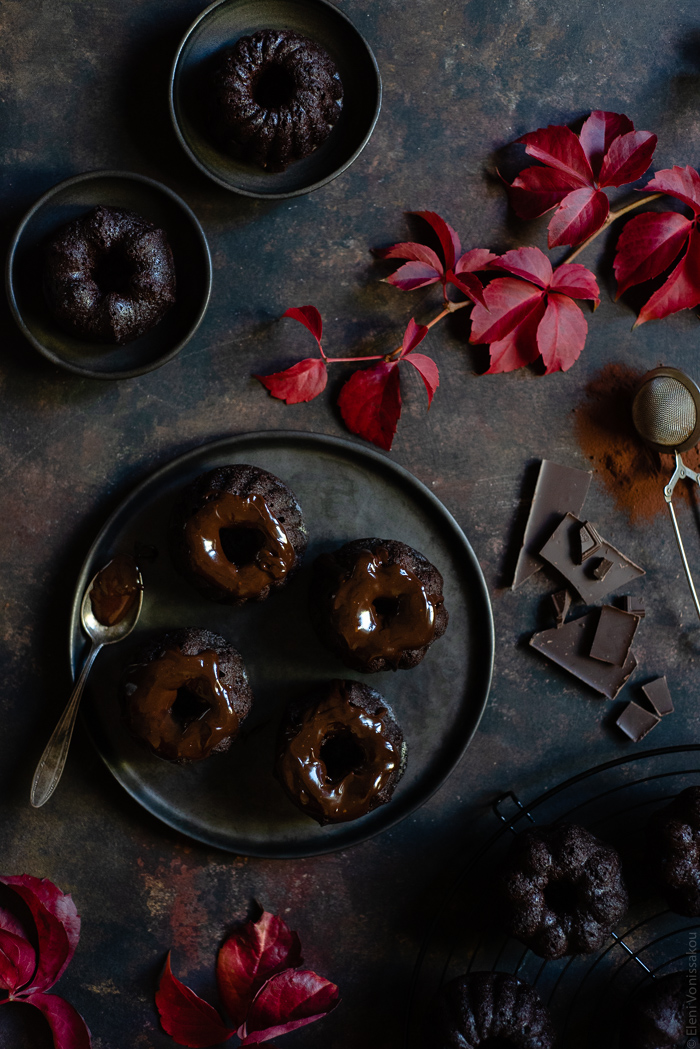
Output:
(377, 604)
(185, 695)
(659, 1016)
(274, 97)
(340, 752)
(237, 533)
(674, 851)
(109, 276)
(561, 890)
(489, 1009)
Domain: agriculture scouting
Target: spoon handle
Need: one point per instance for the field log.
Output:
(52, 761)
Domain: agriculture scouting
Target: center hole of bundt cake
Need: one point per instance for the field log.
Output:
(241, 544)
(341, 755)
(113, 272)
(560, 896)
(188, 706)
(274, 87)
(386, 607)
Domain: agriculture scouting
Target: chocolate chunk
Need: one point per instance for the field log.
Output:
(569, 646)
(559, 490)
(635, 605)
(560, 552)
(659, 696)
(562, 603)
(602, 568)
(590, 542)
(614, 635)
(636, 722)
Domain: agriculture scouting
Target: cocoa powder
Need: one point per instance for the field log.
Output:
(634, 474)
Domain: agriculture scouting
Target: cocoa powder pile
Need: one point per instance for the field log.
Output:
(634, 474)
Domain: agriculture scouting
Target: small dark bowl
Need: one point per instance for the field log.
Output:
(68, 201)
(226, 21)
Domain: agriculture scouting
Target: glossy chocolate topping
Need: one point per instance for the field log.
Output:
(381, 609)
(339, 758)
(178, 705)
(116, 590)
(235, 542)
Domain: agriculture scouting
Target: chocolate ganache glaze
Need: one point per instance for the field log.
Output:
(341, 752)
(116, 590)
(186, 696)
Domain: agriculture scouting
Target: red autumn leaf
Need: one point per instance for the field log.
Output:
(57, 925)
(370, 403)
(683, 183)
(648, 245)
(413, 336)
(561, 334)
(310, 318)
(249, 957)
(68, 1028)
(302, 382)
(530, 263)
(413, 275)
(681, 291)
(607, 152)
(428, 371)
(476, 259)
(287, 1001)
(17, 961)
(519, 346)
(185, 1016)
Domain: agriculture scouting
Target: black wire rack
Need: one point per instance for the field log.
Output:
(588, 993)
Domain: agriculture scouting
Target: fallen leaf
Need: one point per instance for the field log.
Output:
(17, 961)
(185, 1016)
(370, 403)
(287, 1001)
(68, 1028)
(249, 957)
(57, 925)
(302, 382)
(310, 318)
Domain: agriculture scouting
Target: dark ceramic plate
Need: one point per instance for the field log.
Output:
(346, 491)
(68, 201)
(226, 21)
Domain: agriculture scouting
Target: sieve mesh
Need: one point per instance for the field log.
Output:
(664, 412)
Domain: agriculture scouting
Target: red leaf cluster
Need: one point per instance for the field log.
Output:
(652, 242)
(263, 991)
(308, 378)
(575, 169)
(532, 312)
(27, 974)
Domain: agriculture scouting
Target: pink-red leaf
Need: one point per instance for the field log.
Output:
(302, 382)
(648, 244)
(598, 133)
(469, 284)
(249, 957)
(529, 263)
(573, 279)
(578, 216)
(414, 275)
(288, 1001)
(370, 403)
(17, 961)
(628, 158)
(559, 148)
(68, 1028)
(57, 925)
(537, 190)
(449, 241)
(428, 371)
(413, 336)
(681, 291)
(509, 302)
(413, 252)
(185, 1016)
(476, 259)
(309, 317)
(682, 183)
(561, 334)
(519, 346)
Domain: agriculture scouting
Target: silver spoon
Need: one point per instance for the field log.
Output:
(52, 761)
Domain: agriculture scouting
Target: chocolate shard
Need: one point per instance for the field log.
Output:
(589, 540)
(569, 647)
(562, 603)
(635, 605)
(636, 722)
(559, 490)
(659, 696)
(614, 635)
(602, 568)
(560, 552)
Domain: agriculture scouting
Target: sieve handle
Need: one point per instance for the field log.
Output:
(686, 566)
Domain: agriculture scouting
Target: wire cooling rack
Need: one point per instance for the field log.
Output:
(586, 994)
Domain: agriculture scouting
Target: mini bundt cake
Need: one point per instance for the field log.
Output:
(659, 1016)
(340, 752)
(275, 97)
(674, 851)
(377, 604)
(185, 695)
(561, 890)
(489, 1010)
(109, 276)
(237, 533)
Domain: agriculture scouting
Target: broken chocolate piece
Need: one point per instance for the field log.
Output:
(562, 603)
(614, 635)
(636, 722)
(559, 490)
(659, 696)
(590, 541)
(569, 646)
(560, 551)
(635, 605)
(602, 568)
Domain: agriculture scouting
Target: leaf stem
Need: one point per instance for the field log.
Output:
(611, 218)
(339, 360)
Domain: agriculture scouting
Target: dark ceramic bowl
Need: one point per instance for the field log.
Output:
(219, 26)
(68, 201)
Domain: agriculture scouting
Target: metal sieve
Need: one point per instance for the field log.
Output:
(666, 415)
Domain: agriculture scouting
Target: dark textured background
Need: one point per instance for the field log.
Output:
(83, 86)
